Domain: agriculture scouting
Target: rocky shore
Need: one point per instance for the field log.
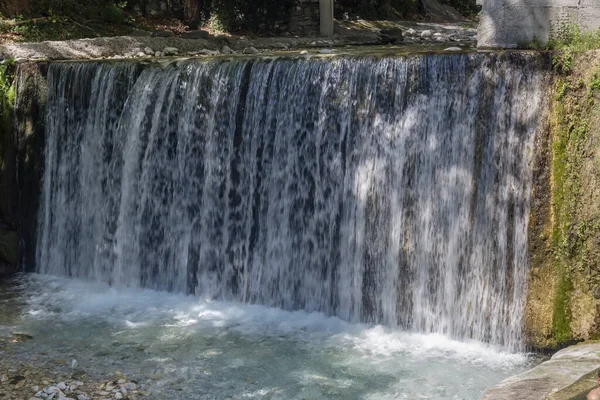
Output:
(59, 380)
(157, 44)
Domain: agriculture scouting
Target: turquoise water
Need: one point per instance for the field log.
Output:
(185, 348)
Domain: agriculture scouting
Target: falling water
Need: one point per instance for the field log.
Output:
(391, 190)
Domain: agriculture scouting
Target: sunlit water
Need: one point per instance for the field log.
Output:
(192, 349)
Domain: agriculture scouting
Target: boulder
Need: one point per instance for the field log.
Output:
(391, 36)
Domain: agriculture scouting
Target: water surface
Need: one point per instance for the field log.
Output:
(193, 349)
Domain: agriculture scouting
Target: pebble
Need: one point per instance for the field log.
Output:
(82, 397)
(130, 386)
(304, 52)
(118, 395)
(121, 381)
(149, 51)
(61, 386)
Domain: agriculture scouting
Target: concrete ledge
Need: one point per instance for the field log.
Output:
(564, 376)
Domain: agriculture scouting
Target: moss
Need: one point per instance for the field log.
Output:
(574, 221)
(7, 101)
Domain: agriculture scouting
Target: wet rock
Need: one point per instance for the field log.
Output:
(79, 375)
(453, 49)
(162, 33)
(326, 51)
(82, 397)
(130, 386)
(149, 51)
(20, 337)
(16, 379)
(199, 34)
(250, 50)
(170, 51)
(391, 36)
(158, 54)
(118, 395)
(426, 34)
(410, 32)
(226, 50)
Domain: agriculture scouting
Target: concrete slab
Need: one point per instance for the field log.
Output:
(551, 378)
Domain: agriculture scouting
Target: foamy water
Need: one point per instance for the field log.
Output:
(191, 349)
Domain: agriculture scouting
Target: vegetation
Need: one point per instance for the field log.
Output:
(7, 100)
(35, 20)
(570, 37)
(575, 223)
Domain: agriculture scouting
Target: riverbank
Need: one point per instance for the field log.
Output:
(144, 45)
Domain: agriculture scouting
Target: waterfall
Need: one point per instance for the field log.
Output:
(381, 190)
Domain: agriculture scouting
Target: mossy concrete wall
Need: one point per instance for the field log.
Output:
(23, 96)
(563, 304)
(509, 23)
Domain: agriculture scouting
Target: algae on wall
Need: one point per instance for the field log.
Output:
(564, 240)
(23, 95)
(9, 241)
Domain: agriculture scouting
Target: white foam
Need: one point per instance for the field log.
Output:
(136, 308)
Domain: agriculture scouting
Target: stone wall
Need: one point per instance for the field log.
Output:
(510, 23)
(563, 304)
(305, 17)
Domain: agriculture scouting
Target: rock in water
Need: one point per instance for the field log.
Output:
(226, 50)
(250, 50)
